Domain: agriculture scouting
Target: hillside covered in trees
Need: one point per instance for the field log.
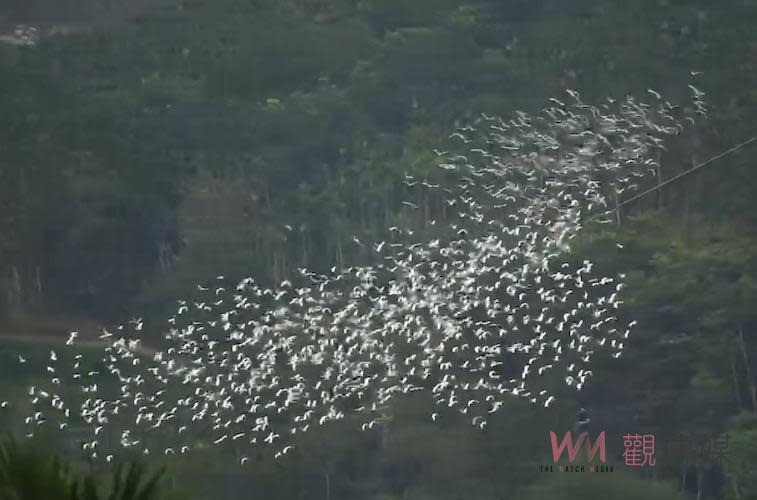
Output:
(151, 146)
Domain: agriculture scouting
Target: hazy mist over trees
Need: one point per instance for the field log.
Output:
(147, 146)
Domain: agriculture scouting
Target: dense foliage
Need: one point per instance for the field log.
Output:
(152, 148)
(29, 472)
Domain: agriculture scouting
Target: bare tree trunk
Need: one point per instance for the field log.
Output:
(16, 289)
(700, 483)
(384, 435)
(658, 191)
(750, 375)
(426, 209)
(275, 267)
(736, 489)
(339, 256)
(736, 384)
(328, 484)
(304, 248)
(38, 280)
(387, 212)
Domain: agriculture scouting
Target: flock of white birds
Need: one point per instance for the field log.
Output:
(495, 305)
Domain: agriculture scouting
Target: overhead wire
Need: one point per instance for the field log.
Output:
(710, 160)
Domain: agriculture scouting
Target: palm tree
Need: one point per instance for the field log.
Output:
(134, 484)
(28, 473)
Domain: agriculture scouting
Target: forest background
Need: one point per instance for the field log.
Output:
(151, 145)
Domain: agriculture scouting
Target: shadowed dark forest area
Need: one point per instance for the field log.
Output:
(148, 146)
